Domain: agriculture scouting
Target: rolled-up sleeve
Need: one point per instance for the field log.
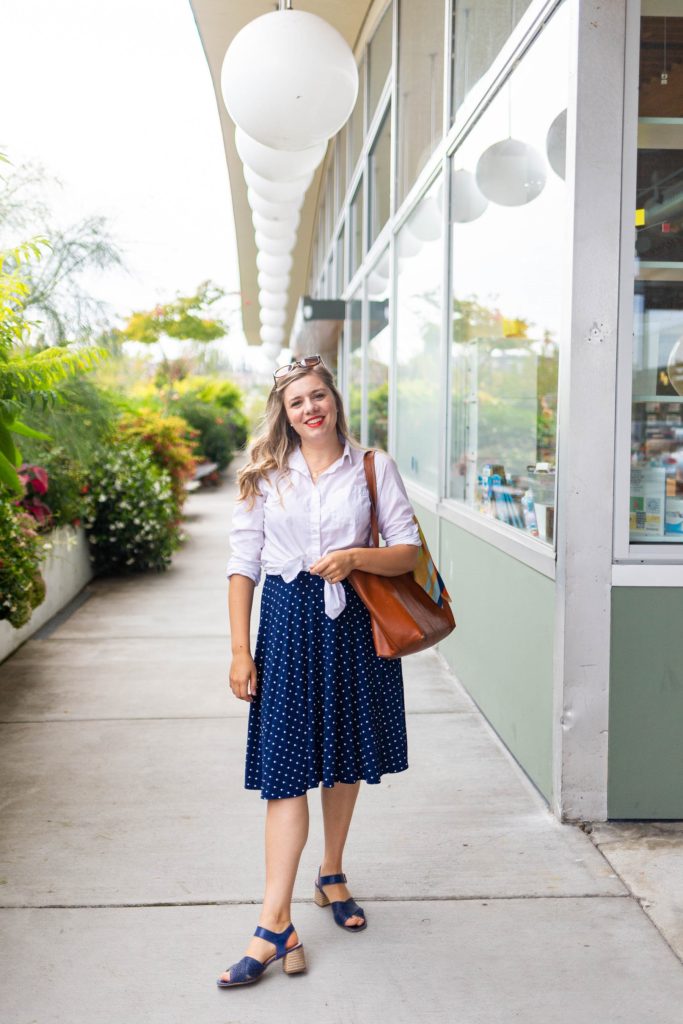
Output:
(394, 511)
(246, 540)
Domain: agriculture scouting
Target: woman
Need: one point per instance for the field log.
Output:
(323, 707)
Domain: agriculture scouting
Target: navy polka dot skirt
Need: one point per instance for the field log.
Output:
(327, 708)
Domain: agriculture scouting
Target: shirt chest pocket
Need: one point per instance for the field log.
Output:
(349, 509)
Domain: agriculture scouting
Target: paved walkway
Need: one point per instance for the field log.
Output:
(132, 855)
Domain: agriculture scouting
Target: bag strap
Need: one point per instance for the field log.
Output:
(369, 466)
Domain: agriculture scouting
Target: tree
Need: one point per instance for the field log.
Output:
(185, 318)
(54, 293)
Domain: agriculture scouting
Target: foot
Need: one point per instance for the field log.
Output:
(261, 949)
(339, 891)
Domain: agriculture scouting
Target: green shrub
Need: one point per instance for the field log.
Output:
(220, 432)
(22, 587)
(65, 482)
(171, 443)
(131, 517)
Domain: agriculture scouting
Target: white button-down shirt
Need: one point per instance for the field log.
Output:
(294, 522)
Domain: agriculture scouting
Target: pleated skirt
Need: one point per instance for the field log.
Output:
(327, 708)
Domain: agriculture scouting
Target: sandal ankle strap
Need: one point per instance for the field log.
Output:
(331, 879)
(277, 938)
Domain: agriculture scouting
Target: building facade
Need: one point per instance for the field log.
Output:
(502, 218)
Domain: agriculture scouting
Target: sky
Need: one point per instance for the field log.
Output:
(114, 98)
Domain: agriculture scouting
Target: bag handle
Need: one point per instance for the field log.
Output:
(371, 478)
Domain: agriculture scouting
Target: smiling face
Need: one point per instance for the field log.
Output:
(311, 409)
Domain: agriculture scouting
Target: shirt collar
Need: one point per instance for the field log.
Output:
(298, 462)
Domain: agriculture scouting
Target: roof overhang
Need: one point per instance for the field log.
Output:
(218, 22)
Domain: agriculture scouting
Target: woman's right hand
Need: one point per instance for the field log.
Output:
(243, 676)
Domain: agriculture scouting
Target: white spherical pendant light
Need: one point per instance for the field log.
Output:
(275, 246)
(275, 228)
(273, 351)
(556, 144)
(277, 164)
(272, 335)
(510, 173)
(272, 300)
(273, 317)
(273, 282)
(277, 191)
(467, 202)
(276, 211)
(425, 223)
(408, 245)
(275, 265)
(289, 79)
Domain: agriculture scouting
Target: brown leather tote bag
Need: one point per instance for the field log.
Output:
(404, 617)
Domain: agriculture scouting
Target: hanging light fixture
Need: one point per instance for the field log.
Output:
(277, 191)
(275, 228)
(556, 144)
(272, 300)
(467, 202)
(275, 246)
(510, 172)
(289, 79)
(277, 164)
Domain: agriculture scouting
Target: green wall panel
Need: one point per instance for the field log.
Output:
(645, 773)
(502, 648)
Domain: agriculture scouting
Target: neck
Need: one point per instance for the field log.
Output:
(321, 454)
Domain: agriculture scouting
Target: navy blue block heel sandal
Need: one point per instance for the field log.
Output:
(249, 969)
(341, 909)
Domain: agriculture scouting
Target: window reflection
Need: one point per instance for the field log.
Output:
(354, 327)
(420, 86)
(379, 352)
(419, 271)
(508, 237)
(356, 123)
(379, 166)
(480, 29)
(356, 228)
(656, 506)
(379, 59)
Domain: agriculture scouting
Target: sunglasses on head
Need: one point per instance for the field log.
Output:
(307, 362)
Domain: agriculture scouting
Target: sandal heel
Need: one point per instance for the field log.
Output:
(294, 962)
(320, 898)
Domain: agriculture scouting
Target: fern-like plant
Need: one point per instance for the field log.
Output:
(28, 378)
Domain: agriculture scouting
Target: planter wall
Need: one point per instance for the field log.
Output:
(66, 569)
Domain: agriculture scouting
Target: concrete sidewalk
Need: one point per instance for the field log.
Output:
(132, 854)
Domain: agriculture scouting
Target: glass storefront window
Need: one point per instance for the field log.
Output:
(479, 33)
(379, 168)
(356, 123)
(341, 263)
(379, 59)
(656, 505)
(508, 216)
(379, 353)
(420, 86)
(354, 327)
(340, 165)
(419, 273)
(356, 228)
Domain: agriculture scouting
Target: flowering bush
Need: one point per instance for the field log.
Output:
(131, 517)
(22, 587)
(35, 481)
(172, 444)
(65, 477)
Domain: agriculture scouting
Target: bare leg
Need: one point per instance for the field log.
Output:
(286, 834)
(338, 803)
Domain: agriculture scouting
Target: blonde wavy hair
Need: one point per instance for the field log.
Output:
(276, 440)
